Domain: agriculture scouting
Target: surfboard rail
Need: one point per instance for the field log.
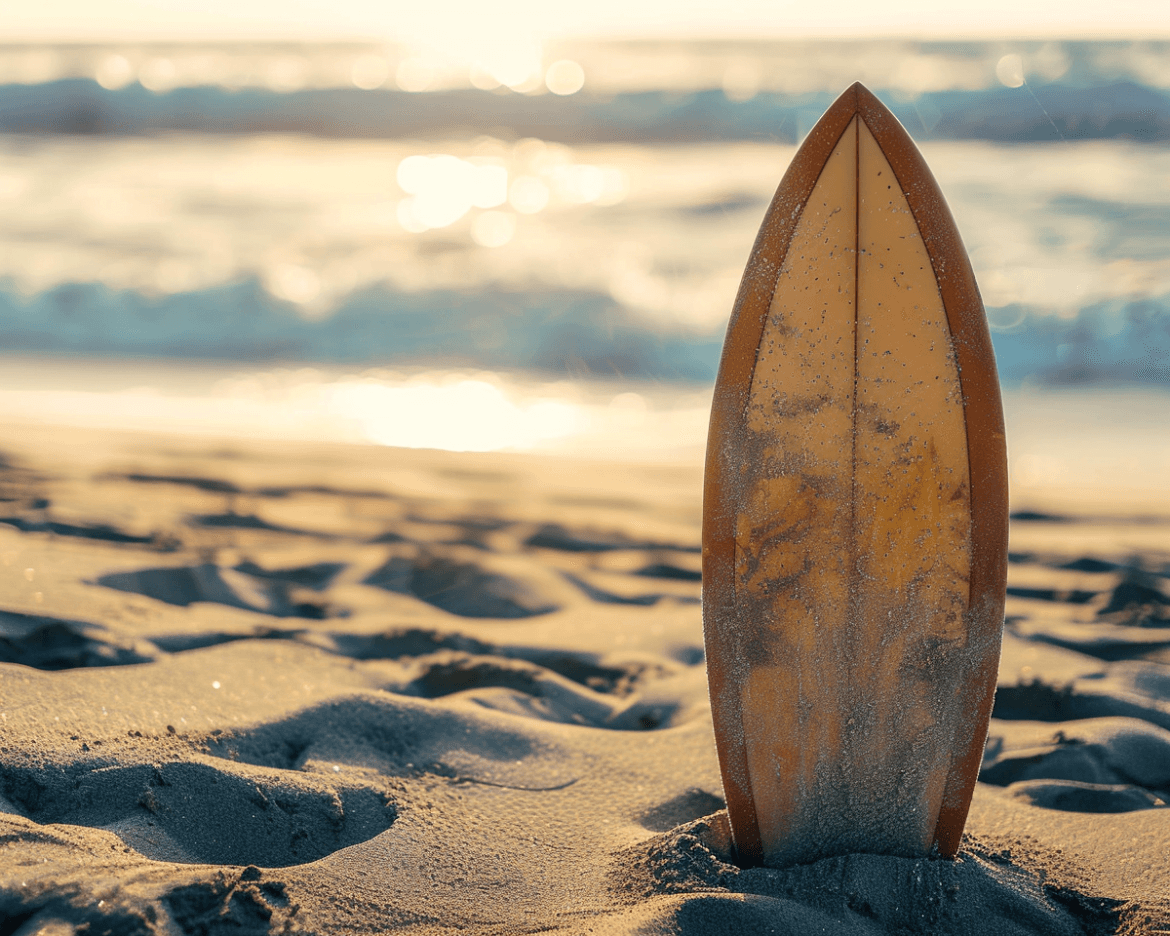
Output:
(727, 659)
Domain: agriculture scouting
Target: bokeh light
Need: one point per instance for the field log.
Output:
(444, 188)
(481, 77)
(293, 283)
(493, 228)
(528, 194)
(114, 72)
(511, 60)
(369, 72)
(414, 74)
(565, 77)
(157, 74)
(1010, 71)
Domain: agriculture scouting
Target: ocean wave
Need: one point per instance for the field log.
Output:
(1115, 110)
(576, 333)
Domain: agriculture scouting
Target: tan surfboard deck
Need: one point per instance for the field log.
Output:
(855, 511)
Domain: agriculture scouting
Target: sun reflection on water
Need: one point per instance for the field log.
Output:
(444, 188)
(461, 411)
(457, 414)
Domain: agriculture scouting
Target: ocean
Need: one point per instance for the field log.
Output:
(395, 246)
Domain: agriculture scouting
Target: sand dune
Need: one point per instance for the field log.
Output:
(262, 687)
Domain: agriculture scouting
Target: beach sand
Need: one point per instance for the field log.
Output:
(253, 687)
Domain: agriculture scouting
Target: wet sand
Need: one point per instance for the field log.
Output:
(264, 686)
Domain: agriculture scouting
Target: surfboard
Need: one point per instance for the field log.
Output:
(855, 511)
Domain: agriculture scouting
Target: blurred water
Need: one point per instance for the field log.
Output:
(540, 251)
(624, 259)
(664, 231)
(742, 69)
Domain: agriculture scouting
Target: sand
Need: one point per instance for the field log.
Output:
(253, 687)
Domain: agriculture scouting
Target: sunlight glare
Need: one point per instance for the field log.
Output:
(513, 60)
(489, 184)
(445, 188)
(463, 416)
(406, 217)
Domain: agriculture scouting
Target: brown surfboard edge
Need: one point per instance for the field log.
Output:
(986, 450)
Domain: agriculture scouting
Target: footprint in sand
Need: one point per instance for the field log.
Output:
(1098, 765)
(247, 585)
(272, 818)
(50, 643)
(460, 587)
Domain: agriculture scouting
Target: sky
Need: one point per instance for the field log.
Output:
(442, 21)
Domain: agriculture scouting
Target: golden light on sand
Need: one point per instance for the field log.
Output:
(1088, 446)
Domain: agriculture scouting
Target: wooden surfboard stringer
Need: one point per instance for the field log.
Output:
(854, 626)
